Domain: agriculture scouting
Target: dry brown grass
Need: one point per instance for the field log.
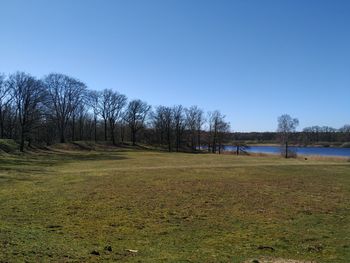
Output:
(71, 206)
(277, 260)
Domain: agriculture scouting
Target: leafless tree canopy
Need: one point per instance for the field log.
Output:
(179, 125)
(286, 126)
(194, 123)
(28, 95)
(65, 94)
(218, 128)
(60, 108)
(135, 116)
(5, 99)
(116, 104)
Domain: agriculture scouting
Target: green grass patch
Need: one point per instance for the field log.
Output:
(146, 206)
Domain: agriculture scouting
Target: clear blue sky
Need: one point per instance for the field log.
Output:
(252, 60)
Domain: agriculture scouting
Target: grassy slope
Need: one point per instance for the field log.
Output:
(172, 207)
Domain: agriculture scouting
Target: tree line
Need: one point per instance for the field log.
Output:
(60, 108)
(308, 136)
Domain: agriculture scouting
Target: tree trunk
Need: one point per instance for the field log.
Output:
(81, 125)
(111, 124)
(133, 136)
(2, 130)
(193, 142)
(61, 129)
(122, 133)
(62, 139)
(73, 128)
(112, 136)
(1, 124)
(105, 129)
(286, 154)
(177, 139)
(21, 147)
(199, 139)
(169, 141)
(48, 136)
(95, 126)
(213, 150)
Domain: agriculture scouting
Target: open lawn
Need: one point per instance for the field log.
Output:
(147, 206)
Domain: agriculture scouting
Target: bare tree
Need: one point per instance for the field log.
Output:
(116, 103)
(179, 124)
(199, 123)
(168, 118)
(194, 122)
(5, 99)
(93, 100)
(345, 128)
(82, 119)
(163, 123)
(64, 96)
(217, 129)
(72, 120)
(135, 116)
(28, 94)
(159, 124)
(223, 134)
(345, 132)
(286, 126)
(123, 127)
(103, 108)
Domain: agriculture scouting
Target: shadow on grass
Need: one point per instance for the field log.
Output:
(32, 163)
(27, 167)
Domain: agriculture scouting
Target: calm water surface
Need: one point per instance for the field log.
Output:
(325, 151)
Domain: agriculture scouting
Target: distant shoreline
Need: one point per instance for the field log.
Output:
(315, 150)
(300, 156)
(344, 145)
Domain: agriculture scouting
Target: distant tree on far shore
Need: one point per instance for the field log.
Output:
(286, 126)
(218, 128)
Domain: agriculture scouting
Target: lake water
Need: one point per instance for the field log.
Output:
(324, 151)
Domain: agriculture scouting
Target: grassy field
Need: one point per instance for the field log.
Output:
(147, 206)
